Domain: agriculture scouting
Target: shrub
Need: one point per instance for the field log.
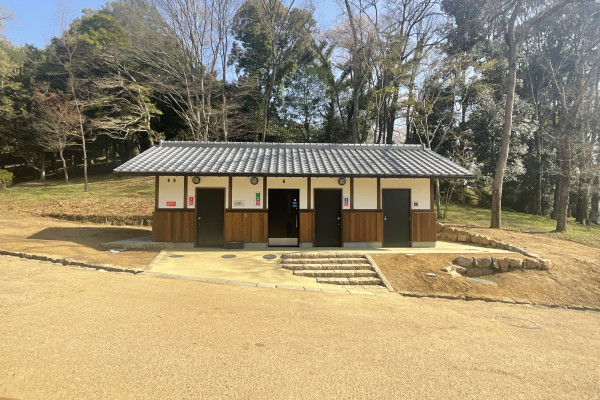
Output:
(6, 178)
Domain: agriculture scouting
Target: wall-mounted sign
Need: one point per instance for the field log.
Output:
(171, 204)
(258, 198)
(346, 202)
(191, 201)
(238, 203)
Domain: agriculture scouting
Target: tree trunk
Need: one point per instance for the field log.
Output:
(563, 182)
(42, 166)
(511, 83)
(594, 214)
(583, 203)
(537, 202)
(64, 163)
(438, 199)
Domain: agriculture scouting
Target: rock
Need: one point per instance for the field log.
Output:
(454, 274)
(515, 263)
(485, 240)
(447, 269)
(460, 270)
(495, 264)
(503, 264)
(531, 264)
(493, 243)
(439, 227)
(461, 237)
(545, 264)
(463, 261)
(451, 236)
(485, 262)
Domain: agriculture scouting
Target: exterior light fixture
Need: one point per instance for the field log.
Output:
(342, 181)
(196, 180)
(254, 180)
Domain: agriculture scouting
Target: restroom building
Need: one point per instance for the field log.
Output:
(293, 194)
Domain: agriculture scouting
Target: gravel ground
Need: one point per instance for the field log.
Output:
(73, 333)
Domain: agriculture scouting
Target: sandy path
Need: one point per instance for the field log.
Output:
(80, 242)
(73, 333)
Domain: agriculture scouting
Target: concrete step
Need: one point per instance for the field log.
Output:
(318, 267)
(337, 273)
(320, 255)
(351, 281)
(335, 260)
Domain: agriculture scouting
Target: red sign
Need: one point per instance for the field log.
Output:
(171, 203)
(191, 201)
(258, 203)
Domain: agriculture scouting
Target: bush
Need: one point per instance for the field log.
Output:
(6, 178)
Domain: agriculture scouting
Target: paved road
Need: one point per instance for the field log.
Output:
(73, 333)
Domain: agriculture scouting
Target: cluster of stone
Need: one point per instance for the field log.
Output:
(479, 266)
(459, 235)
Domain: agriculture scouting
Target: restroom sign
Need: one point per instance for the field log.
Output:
(346, 201)
(191, 201)
(258, 198)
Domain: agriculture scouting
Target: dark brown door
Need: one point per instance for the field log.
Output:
(210, 217)
(328, 217)
(396, 217)
(283, 217)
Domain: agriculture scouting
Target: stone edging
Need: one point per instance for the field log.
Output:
(490, 300)
(460, 235)
(69, 262)
(387, 283)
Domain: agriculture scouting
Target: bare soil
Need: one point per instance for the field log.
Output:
(80, 242)
(573, 279)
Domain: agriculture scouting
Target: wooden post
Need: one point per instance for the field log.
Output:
(352, 193)
(309, 195)
(379, 193)
(185, 192)
(156, 186)
(264, 199)
(230, 194)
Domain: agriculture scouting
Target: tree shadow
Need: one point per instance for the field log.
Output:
(89, 236)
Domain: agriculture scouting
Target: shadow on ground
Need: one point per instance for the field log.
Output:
(89, 236)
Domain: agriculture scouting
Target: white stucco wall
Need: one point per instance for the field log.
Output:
(244, 193)
(290, 183)
(365, 193)
(330, 183)
(213, 182)
(420, 189)
(170, 190)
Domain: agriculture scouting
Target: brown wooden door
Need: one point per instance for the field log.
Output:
(210, 217)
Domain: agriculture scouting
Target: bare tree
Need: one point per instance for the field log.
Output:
(56, 123)
(518, 17)
(66, 51)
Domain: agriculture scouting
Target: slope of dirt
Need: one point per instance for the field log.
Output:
(80, 242)
(573, 279)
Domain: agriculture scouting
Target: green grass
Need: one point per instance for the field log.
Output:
(107, 195)
(469, 216)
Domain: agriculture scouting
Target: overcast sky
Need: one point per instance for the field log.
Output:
(35, 21)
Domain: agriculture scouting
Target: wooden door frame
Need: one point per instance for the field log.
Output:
(341, 191)
(409, 215)
(196, 211)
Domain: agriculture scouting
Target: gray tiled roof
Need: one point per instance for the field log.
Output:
(291, 159)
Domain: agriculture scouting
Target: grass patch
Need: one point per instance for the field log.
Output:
(469, 216)
(107, 195)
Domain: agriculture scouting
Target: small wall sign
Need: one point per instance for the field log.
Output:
(238, 203)
(346, 201)
(171, 204)
(258, 198)
(191, 201)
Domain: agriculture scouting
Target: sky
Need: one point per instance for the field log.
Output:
(35, 21)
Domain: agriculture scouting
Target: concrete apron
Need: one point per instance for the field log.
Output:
(263, 266)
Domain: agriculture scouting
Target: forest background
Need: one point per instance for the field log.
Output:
(509, 89)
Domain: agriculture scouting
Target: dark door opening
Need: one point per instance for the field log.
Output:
(283, 217)
(210, 217)
(396, 217)
(328, 217)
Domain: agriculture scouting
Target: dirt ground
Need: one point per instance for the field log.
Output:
(70, 333)
(80, 242)
(573, 279)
